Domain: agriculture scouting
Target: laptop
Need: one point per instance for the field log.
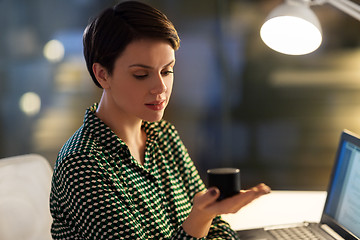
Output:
(340, 218)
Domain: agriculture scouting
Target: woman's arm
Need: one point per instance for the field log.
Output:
(204, 219)
(87, 204)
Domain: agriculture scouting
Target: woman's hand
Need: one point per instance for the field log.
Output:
(205, 208)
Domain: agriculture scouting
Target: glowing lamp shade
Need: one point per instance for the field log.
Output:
(292, 28)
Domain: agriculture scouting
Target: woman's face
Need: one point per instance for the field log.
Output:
(141, 82)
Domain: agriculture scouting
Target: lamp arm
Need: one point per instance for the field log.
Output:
(346, 6)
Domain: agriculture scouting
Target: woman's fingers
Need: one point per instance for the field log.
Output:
(235, 203)
(260, 189)
(205, 204)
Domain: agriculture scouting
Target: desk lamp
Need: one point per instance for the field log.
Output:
(292, 28)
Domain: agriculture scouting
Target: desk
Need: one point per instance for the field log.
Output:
(279, 207)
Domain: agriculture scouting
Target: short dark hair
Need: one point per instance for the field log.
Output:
(107, 36)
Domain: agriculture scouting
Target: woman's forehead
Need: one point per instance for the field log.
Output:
(148, 52)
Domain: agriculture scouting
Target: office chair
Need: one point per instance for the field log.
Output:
(24, 198)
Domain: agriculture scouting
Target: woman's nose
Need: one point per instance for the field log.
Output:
(159, 87)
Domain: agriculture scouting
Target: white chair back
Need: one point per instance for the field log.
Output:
(24, 198)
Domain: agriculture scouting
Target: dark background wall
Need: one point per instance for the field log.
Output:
(236, 103)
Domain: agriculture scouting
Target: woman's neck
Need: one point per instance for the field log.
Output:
(127, 128)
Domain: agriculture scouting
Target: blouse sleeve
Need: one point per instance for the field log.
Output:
(193, 183)
(85, 204)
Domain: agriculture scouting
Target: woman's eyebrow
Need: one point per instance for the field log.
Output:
(149, 67)
(140, 65)
(170, 63)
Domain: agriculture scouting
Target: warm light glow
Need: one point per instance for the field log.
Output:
(54, 51)
(291, 35)
(30, 103)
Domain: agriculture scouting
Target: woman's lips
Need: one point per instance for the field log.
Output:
(156, 106)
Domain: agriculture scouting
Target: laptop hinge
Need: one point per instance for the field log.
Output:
(289, 225)
(331, 232)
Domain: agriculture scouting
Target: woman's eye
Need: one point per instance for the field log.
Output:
(166, 73)
(140, 76)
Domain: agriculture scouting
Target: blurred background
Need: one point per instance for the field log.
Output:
(236, 103)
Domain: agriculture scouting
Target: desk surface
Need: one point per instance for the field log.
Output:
(279, 207)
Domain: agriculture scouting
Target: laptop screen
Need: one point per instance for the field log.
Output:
(343, 204)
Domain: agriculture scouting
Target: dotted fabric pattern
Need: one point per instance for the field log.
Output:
(99, 191)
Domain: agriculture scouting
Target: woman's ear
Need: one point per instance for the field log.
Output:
(101, 75)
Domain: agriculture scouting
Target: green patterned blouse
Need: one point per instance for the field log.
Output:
(99, 191)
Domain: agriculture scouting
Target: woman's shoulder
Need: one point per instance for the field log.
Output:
(77, 148)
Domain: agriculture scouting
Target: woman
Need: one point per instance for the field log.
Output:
(125, 174)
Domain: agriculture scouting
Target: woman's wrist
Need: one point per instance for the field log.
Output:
(197, 224)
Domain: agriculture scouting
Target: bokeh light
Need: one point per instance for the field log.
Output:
(54, 51)
(30, 103)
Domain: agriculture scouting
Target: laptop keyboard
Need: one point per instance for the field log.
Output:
(294, 233)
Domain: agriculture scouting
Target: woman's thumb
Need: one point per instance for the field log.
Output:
(202, 199)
